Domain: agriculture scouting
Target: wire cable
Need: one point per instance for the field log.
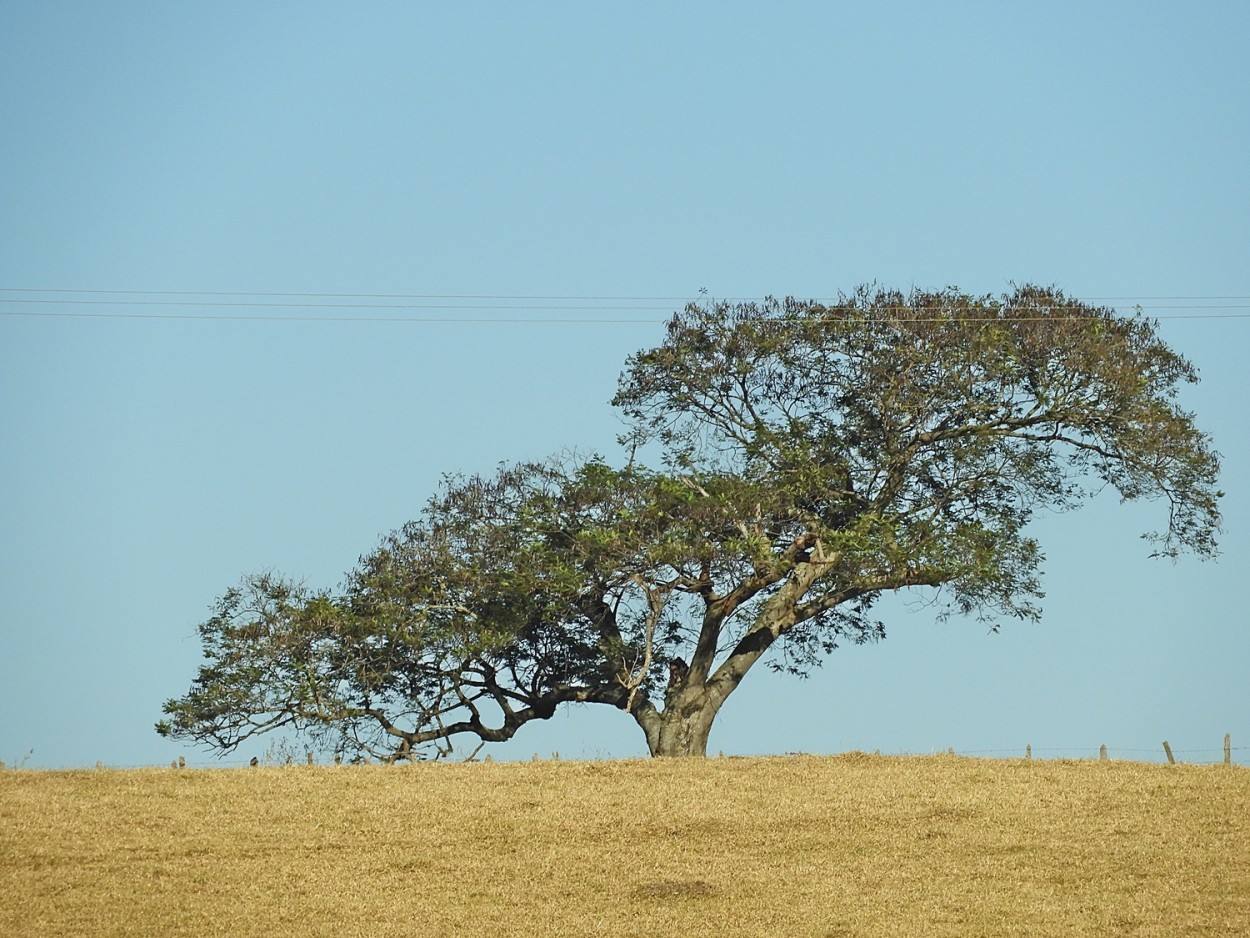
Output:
(1229, 307)
(489, 296)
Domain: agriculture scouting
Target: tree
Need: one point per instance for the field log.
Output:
(814, 457)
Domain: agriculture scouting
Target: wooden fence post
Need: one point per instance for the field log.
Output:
(1102, 753)
(1168, 750)
(1228, 748)
(1028, 751)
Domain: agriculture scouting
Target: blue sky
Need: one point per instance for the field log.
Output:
(152, 451)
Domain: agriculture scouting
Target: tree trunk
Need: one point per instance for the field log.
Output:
(683, 728)
(693, 698)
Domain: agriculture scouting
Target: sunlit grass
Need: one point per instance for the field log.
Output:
(850, 845)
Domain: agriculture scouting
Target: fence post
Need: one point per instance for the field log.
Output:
(1168, 750)
(1102, 753)
(1228, 748)
(1028, 751)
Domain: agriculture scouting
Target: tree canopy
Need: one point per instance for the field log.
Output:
(812, 457)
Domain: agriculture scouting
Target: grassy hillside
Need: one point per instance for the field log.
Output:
(850, 845)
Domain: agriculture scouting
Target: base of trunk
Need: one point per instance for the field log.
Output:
(683, 728)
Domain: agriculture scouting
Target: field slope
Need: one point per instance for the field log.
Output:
(848, 845)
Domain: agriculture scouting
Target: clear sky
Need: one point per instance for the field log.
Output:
(153, 451)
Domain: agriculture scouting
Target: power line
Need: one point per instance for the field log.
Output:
(514, 320)
(293, 305)
(1230, 307)
(333, 319)
(259, 304)
(493, 296)
(380, 296)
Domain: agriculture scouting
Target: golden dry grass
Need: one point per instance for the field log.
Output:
(849, 845)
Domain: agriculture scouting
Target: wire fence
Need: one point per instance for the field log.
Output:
(1164, 753)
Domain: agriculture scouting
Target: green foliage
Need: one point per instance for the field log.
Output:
(814, 457)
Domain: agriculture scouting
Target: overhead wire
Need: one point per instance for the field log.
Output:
(1229, 307)
(494, 296)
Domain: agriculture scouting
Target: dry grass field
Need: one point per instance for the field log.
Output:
(849, 845)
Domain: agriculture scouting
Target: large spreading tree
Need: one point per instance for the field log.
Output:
(813, 458)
